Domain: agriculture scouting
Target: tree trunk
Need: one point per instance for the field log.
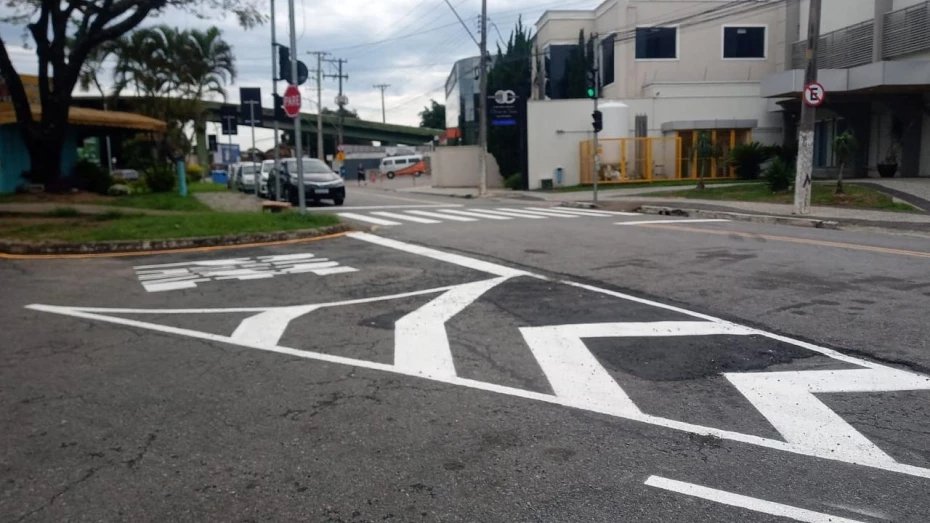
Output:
(200, 133)
(839, 181)
(700, 184)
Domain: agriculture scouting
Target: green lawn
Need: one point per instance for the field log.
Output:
(62, 226)
(822, 194)
(207, 187)
(636, 185)
(162, 201)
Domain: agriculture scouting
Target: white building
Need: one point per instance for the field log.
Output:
(734, 69)
(874, 62)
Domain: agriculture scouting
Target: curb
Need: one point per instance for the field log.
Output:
(143, 246)
(578, 205)
(742, 217)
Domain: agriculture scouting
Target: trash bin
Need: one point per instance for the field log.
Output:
(219, 176)
(546, 183)
(558, 176)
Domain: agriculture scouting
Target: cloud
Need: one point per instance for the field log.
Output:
(409, 44)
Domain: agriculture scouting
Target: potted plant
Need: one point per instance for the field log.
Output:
(889, 166)
(845, 146)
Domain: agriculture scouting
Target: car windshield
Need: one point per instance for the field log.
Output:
(267, 167)
(311, 166)
(248, 169)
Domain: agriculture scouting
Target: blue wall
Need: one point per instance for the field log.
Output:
(14, 159)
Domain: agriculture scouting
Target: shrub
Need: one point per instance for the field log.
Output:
(747, 158)
(779, 175)
(160, 178)
(514, 181)
(63, 212)
(91, 177)
(194, 172)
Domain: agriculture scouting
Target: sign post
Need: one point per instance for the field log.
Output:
(249, 97)
(291, 105)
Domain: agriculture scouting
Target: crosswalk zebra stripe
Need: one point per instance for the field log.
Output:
(476, 214)
(369, 219)
(544, 212)
(442, 216)
(398, 216)
(558, 212)
(571, 212)
(593, 212)
(514, 214)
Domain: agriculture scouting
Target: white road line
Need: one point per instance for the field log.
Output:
(267, 327)
(514, 214)
(442, 216)
(421, 345)
(544, 212)
(334, 270)
(376, 207)
(477, 214)
(736, 500)
(650, 222)
(369, 219)
(173, 286)
(558, 211)
(598, 212)
(398, 216)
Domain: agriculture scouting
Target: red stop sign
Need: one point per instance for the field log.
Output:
(291, 101)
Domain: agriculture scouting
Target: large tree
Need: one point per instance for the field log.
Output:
(65, 34)
(206, 69)
(434, 116)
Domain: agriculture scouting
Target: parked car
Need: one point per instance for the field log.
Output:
(267, 167)
(320, 182)
(399, 165)
(245, 176)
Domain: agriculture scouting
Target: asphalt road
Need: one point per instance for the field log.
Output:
(522, 364)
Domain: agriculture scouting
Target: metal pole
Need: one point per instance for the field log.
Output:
(274, 90)
(483, 103)
(805, 165)
(341, 117)
(258, 175)
(109, 152)
(383, 113)
(597, 94)
(301, 197)
(319, 107)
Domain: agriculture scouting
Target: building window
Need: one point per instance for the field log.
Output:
(607, 61)
(743, 42)
(656, 43)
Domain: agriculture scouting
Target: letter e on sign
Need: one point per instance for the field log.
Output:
(814, 94)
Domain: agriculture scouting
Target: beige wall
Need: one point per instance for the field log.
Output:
(457, 166)
(700, 55)
(837, 14)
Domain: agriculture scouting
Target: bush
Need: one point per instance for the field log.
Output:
(91, 177)
(194, 172)
(779, 175)
(160, 178)
(747, 158)
(514, 181)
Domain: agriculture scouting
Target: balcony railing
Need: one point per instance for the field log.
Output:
(907, 30)
(846, 47)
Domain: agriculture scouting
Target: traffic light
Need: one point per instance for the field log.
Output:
(598, 122)
(591, 83)
(284, 63)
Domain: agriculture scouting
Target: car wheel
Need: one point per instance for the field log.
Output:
(390, 176)
(291, 196)
(338, 201)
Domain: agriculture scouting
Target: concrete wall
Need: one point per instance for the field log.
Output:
(457, 166)
(555, 128)
(837, 14)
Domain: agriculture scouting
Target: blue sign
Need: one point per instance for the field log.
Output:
(229, 153)
(501, 123)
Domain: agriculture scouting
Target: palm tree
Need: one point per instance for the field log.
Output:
(844, 146)
(703, 151)
(208, 65)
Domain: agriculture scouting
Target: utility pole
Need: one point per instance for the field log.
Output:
(382, 87)
(805, 165)
(319, 103)
(341, 100)
(274, 113)
(597, 94)
(301, 197)
(483, 103)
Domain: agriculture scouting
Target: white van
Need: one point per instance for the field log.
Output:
(399, 165)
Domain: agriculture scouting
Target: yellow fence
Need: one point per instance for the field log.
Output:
(632, 160)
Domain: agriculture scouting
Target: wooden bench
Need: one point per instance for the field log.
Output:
(275, 206)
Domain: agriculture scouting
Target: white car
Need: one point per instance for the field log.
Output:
(245, 176)
(267, 167)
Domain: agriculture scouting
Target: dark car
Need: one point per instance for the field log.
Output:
(320, 182)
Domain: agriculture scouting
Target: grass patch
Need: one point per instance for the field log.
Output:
(822, 194)
(636, 185)
(118, 226)
(62, 212)
(161, 201)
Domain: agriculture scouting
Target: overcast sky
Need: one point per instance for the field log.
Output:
(409, 44)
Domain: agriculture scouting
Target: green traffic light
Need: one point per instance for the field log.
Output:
(590, 93)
